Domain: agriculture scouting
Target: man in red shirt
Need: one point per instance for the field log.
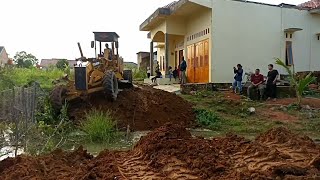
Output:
(257, 80)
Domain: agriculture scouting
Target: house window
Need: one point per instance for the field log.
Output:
(318, 37)
(286, 35)
(289, 54)
(290, 35)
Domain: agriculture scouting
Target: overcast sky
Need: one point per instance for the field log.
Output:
(51, 28)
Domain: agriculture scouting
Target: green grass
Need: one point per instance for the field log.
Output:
(224, 116)
(99, 126)
(22, 76)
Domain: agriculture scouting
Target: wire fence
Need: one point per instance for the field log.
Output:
(18, 107)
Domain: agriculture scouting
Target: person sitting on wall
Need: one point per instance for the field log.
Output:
(257, 80)
(158, 75)
(175, 73)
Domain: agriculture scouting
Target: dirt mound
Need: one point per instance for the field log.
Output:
(170, 152)
(142, 108)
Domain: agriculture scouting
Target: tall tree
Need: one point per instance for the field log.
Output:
(62, 64)
(25, 60)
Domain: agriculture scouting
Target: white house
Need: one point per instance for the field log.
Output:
(215, 35)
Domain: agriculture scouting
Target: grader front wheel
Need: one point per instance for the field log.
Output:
(110, 85)
(58, 97)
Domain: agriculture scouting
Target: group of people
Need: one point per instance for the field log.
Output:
(266, 87)
(179, 72)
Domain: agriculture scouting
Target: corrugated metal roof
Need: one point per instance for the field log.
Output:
(313, 4)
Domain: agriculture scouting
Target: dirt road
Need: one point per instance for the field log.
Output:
(170, 152)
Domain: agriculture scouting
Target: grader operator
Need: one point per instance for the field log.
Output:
(103, 73)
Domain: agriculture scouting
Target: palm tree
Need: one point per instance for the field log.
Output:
(299, 84)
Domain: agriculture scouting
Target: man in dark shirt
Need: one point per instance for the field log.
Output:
(238, 73)
(271, 89)
(257, 80)
(183, 68)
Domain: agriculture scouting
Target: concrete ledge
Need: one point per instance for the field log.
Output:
(187, 88)
(162, 81)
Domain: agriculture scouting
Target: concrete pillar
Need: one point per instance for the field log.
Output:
(167, 51)
(151, 58)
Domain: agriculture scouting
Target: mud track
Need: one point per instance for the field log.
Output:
(142, 108)
(170, 152)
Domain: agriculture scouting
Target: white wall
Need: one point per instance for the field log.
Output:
(243, 33)
(305, 45)
(252, 35)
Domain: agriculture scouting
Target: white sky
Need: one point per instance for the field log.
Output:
(51, 28)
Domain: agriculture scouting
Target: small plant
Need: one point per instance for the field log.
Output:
(99, 126)
(208, 119)
(299, 84)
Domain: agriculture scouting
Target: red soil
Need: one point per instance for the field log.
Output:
(170, 152)
(142, 108)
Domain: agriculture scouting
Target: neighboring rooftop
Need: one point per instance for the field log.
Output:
(52, 62)
(313, 4)
(1, 48)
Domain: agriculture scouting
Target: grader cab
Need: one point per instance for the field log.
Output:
(103, 73)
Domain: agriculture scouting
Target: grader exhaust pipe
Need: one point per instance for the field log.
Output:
(80, 49)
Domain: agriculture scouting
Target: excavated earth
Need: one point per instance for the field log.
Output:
(170, 152)
(142, 108)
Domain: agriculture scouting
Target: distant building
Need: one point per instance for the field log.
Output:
(46, 63)
(143, 59)
(4, 58)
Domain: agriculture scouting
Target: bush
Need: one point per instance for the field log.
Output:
(208, 119)
(139, 74)
(99, 126)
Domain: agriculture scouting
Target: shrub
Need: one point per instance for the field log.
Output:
(99, 126)
(139, 74)
(208, 119)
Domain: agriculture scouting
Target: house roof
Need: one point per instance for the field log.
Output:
(53, 62)
(1, 49)
(313, 4)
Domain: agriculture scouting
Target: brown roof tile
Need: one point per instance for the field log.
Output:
(313, 4)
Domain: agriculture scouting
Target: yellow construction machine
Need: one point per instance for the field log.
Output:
(103, 73)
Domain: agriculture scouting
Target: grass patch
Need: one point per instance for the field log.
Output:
(21, 76)
(208, 119)
(99, 126)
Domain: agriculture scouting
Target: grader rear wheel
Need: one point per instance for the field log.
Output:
(110, 85)
(58, 97)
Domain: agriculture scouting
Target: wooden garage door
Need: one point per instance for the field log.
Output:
(198, 62)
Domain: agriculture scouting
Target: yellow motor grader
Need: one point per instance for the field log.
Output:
(103, 73)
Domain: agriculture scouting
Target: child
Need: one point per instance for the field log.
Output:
(175, 73)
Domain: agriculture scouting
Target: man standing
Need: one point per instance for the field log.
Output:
(256, 83)
(183, 68)
(271, 89)
(237, 78)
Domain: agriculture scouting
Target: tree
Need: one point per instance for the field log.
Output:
(25, 60)
(62, 64)
(299, 84)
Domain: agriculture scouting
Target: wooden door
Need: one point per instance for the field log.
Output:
(205, 76)
(197, 70)
(190, 63)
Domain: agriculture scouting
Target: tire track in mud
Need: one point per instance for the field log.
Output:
(133, 166)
